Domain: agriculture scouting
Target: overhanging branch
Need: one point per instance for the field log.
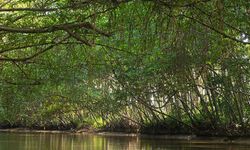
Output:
(216, 30)
(34, 55)
(54, 28)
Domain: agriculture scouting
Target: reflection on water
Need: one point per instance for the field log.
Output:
(46, 141)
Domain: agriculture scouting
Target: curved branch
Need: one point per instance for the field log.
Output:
(214, 17)
(171, 5)
(41, 9)
(29, 9)
(34, 55)
(78, 37)
(54, 28)
(216, 30)
(23, 47)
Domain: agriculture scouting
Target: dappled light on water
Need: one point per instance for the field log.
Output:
(47, 141)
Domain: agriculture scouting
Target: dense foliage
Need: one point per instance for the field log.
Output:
(171, 66)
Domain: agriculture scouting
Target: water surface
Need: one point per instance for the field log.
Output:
(56, 141)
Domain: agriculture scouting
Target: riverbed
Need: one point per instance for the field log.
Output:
(105, 141)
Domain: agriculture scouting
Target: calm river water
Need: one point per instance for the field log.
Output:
(56, 141)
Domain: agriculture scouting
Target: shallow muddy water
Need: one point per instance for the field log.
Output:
(65, 141)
